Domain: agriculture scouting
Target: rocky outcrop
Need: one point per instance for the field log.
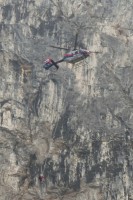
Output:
(73, 125)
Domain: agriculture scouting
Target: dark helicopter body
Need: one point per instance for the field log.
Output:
(72, 57)
(75, 56)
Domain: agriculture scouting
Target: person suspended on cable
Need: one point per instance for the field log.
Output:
(41, 178)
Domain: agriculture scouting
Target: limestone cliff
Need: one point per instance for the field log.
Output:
(74, 125)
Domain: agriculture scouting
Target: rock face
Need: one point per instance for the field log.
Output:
(73, 125)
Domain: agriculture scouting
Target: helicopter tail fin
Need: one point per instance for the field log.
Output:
(55, 64)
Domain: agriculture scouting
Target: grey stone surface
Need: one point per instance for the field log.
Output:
(74, 125)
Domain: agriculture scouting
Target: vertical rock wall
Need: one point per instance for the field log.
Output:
(73, 125)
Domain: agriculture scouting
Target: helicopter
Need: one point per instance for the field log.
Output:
(73, 56)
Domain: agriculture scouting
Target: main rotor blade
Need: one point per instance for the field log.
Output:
(97, 52)
(59, 47)
(76, 38)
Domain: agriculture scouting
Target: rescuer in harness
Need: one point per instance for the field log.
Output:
(41, 178)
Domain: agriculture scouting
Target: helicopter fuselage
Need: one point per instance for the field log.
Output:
(70, 57)
(73, 56)
(76, 56)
